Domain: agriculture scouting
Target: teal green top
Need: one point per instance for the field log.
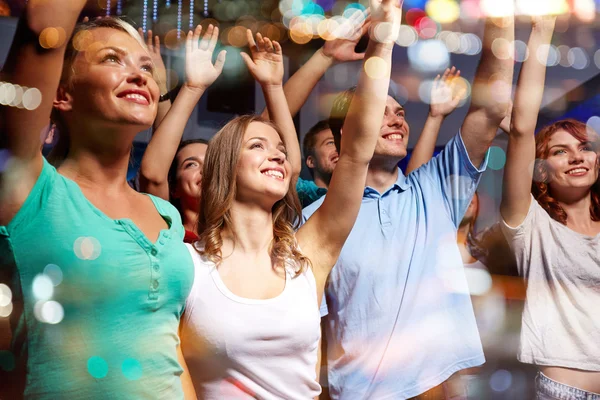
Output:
(309, 192)
(100, 303)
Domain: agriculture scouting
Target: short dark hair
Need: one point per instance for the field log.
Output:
(172, 177)
(310, 139)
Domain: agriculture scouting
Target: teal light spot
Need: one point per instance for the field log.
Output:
(132, 369)
(97, 367)
(497, 158)
(7, 361)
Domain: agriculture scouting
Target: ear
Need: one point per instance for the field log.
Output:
(310, 162)
(63, 101)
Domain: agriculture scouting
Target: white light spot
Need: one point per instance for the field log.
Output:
(521, 51)
(596, 60)
(43, 289)
(578, 58)
(87, 248)
(407, 36)
(5, 311)
(54, 273)
(429, 56)
(52, 312)
(425, 91)
(9, 94)
(32, 98)
(474, 46)
(5, 295)
(501, 380)
(479, 281)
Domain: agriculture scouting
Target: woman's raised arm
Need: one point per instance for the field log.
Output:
(520, 157)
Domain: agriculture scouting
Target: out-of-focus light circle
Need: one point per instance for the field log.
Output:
(469, 10)
(5, 295)
(413, 15)
(500, 90)
(55, 274)
(585, 10)
(171, 39)
(597, 58)
(9, 94)
(82, 40)
(495, 8)
(426, 28)
(352, 8)
(474, 46)
(452, 41)
(42, 287)
(429, 56)
(578, 58)
(237, 36)
(376, 67)
(542, 7)
(132, 369)
(550, 52)
(564, 56)
(87, 248)
(18, 99)
(52, 37)
(443, 11)
(501, 48)
(52, 312)
(594, 124)
(32, 98)
(6, 310)
(501, 380)
(271, 31)
(496, 158)
(327, 28)
(520, 50)
(425, 91)
(97, 367)
(479, 281)
(407, 36)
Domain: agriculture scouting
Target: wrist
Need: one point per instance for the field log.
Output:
(271, 87)
(436, 116)
(197, 90)
(327, 60)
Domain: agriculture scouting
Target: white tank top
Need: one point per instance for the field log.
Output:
(239, 348)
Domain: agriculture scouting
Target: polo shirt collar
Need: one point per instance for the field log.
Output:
(401, 184)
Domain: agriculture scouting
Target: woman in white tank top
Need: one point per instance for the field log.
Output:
(251, 325)
(555, 235)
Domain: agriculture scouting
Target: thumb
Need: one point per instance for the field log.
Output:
(358, 56)
(248, 61)
(221, 61)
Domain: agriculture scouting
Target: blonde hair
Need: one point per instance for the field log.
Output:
(61, 148)
(218, 194)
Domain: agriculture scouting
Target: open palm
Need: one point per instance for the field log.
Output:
(444, 96)
(342, 49)
(200, 71)
(266, 64)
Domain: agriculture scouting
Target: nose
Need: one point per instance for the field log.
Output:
(576, 158)
(137, 77)
(277, 156)
(396, 120)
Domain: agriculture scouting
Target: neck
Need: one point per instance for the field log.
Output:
(253, 227)
(190, 219)
(322, 181)
(382, 173)
(98, 169)
(578, 210)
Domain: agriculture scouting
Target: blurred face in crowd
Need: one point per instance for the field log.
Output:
(325, 154)
(263, 170)
(571, 164)
(190, 162)
(111, 83)
(393, 137)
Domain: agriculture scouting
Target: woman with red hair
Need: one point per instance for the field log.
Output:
(552, 220)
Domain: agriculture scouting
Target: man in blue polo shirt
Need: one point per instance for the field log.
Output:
(399, 320)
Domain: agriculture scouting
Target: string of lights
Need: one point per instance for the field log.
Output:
(108, 5)
(179, 10)
(119, 7)
(191, 14)
(155, 10)
(145, 16)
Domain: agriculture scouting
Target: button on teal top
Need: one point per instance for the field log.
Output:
(101, 303)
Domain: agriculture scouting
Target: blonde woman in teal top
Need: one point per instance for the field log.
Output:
(98, 272)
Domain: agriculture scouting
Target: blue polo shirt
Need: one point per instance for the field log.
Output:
(400, 319)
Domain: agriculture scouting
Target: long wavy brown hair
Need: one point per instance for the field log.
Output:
(540, 188)
(219, 191)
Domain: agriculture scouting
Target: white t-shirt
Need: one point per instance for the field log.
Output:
(561, 319)
(243, 348)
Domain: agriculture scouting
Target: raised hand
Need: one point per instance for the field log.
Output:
(160, 72)
(266, 64)
(444, 98)
(200, 71)
(386, 16)
(343, 48)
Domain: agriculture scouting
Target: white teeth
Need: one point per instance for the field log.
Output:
(135, 96)
(274, 173)
(394, 136)
(576, 171)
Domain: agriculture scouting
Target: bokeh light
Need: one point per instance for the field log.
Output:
(501, 380)
(496, 158)
(578, 58)
(55, 274)
(52, 38)
(32, 98)
(132, 369)
(479, 281)
(443, 11)
(51, 312)
(6, 310)
(376, 67)
(87, 248)
(42, 287)
(97, 367)
(5, 295)
(429, 56)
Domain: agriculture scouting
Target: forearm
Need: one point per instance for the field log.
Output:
(21, 127)
(163, 110)
(530, 87)
(280, 115)
(368, 104)
(299, 86)
(164, 143)
(425, 146)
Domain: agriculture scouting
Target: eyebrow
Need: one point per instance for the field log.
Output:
(192, 158)
(264, 139)
(565, 146)
(122, 52)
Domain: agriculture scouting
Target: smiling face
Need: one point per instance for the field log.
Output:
(263, 171)
(393, 137)
(570, 163)
(189, 161)
(325, 155)
(111, 83)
